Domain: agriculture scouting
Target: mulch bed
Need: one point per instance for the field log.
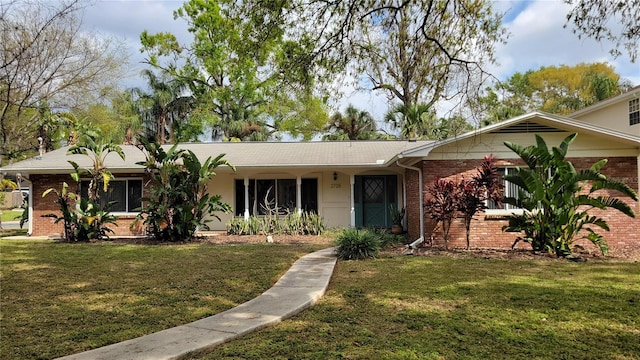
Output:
(580, 255)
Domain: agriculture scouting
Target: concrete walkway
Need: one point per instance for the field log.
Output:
(302, 286)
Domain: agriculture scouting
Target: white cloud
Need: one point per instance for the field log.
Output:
(538, 38)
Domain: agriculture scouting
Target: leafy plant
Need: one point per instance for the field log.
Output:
(556, 198)
(179, 199)
(304, 223)
(83, 221)
(442, 205)
(397, 214)
(466, 197)
(24, 217)
(472, 195)
(97, 151)
(354, 244)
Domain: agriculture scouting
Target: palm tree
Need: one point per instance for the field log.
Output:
(414, 121)
(164, 107)
(240, 124)
(355, 124)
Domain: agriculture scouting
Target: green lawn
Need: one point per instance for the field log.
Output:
(11, 215)
(443, 308)
(58, 299)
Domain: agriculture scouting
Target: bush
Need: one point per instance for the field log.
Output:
(179, 200)
(557, 199)
(305, 223)
(354, 244)
(84, 222)
(385, 237)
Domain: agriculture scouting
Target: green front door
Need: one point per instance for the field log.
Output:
(373, 196)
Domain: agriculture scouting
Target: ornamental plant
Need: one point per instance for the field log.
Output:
(354, 244)
(472, 195)
(83, 219)
(179, 200)
(557, 199)
(465, 197)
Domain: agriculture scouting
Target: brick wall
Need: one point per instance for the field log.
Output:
(44, 226)
(486, 231)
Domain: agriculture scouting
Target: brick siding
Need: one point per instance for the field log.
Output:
(45, 226)
(486, 231)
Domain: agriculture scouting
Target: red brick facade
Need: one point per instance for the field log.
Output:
(44, 226)
(486, 231)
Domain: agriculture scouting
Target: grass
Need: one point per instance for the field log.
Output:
(443, 308)
(58, 299)
(11, 215)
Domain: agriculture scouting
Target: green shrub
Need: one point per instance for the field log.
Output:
(354, 244)
(84, 222)
(557, 199)
(179, 200)
(385, 237)
(304, 223)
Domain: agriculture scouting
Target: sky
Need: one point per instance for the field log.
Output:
(537, 38)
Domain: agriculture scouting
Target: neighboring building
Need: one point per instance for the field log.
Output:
(354, 183)
(620, 113)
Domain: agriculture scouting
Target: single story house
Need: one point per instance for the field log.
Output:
(354, 183)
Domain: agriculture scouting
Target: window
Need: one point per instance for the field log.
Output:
(278, 194)
(125, 193)
(509, 190)
(634, 112)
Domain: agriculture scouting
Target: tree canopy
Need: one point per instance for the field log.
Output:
(48, 61)
(241, 67)
(354, 124)
(264, 68)
(555, 89)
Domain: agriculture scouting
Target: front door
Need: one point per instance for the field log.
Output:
(373, 196)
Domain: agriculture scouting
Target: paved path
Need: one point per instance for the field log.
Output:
(299, 288)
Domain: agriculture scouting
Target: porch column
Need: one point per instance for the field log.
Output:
(352, 180)
(299, 194)
(246, 198)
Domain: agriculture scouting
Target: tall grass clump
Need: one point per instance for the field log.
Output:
(305, 223)
(354, 244)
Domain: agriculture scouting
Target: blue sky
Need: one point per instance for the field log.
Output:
(537, 38)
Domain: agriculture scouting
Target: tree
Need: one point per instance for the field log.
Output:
(556, 89)
(47, 59)
(407, 52)
(179, 199)
(239, 65)
(93, 146)
(355, 124)
(165, 111)
(414, 122)
(556, 198)
(594, 18)
(451, 127)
